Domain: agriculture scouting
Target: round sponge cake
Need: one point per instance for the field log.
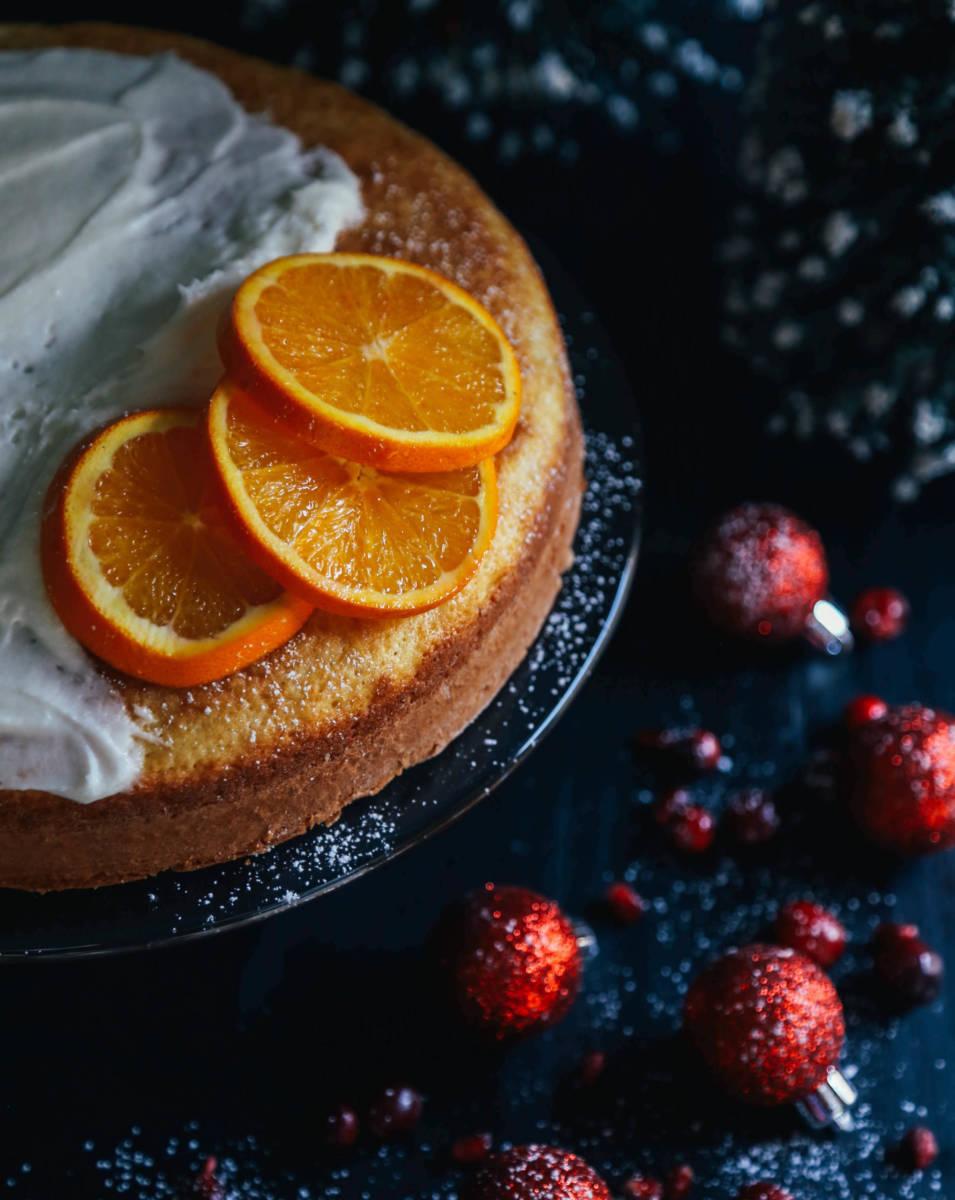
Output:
(236, 766)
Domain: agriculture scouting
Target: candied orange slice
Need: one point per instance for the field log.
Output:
(377, 360)
(350, 539)
(140, 562)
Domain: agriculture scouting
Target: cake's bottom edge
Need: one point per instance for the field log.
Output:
(48, 844)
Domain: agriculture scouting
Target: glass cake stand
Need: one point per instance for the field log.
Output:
(430, 796)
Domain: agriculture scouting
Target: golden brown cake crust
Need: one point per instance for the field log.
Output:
(237, 766)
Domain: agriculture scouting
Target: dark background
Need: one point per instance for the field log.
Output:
(119, 1076)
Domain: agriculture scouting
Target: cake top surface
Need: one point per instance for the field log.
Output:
(135, 193)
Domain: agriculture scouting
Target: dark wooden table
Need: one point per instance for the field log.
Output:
(120, 1075)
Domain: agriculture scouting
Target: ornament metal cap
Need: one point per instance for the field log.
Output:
(827, 628)
(830, 1103)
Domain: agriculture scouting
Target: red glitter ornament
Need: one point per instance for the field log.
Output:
(880, 614)
(513, 959)
(536, 1173)
(902, 779)
(812, 930)
(760, 572)
(768, 1022)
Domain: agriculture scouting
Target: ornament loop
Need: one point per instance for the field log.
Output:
(827, 628)
(830, 1103)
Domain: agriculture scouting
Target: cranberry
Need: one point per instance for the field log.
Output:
(624, 903)
(341, 1127)
(642, 1187)
(670, 805)
(880, 614)
(207, 1186)
(678, 1182)
(695, 749)
(693, 830)
(472, 1148)
(919, 1148)
(765, 1189)
(864, 709)
(911, 969)
(813, 930)
(397, 1110)
(591, 1067)
(752, 817)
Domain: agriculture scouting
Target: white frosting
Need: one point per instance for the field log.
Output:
(134, 195)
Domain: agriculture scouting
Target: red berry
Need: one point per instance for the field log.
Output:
(812, 929)
(341, 1127)
(752, 817)
(591, 1067)
(397, 1110)
(765, 1189)
(919, 1148)
(473, 1148)
(642, 1187)
(513, 960)
(671, 804)
(678, 1182)
(864, 709)
(695, 749)
(759, 572)
(911, 969)
(880, 614)
(626, 904)
(768, 1022)
(902, 779)
(536, 1173)
(207, 1186)
(692, 831)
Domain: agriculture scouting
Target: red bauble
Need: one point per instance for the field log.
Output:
(759, 572)
(768, 1022)
(902, 779)
(537, 1173)
(513, 959)
(812, 930)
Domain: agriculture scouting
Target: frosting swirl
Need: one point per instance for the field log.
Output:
(135, 194)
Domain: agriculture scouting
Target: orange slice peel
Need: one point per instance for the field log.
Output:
(350, 539)
(140, 562)
(375, 360)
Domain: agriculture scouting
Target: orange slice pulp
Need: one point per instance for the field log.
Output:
(348, 538)
(140, 563)
(375, 359)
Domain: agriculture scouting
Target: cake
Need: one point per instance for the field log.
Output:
(104, 778)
